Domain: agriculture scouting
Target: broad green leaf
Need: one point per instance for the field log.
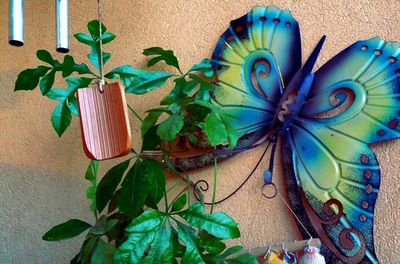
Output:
(134, 248)
(61, 118)
(104, 253)
(179, 203)
(66, 230)
(192, 252)
(149, 121)
(45, 56)
(29, 78)
(212, 245)
(47, 82)
(161, 55)
(73, 105)
(151, 140)
(93, 27)
(233, 136)
(179, 249)
(91, 176)
(94, 58)
(215, 129)
(177, 93)
(107, 37)
(217, 224)
(103, 225)
(57, 94)
(87, 248)
(169, 128)
(204, 67)
(156, 177)
(69, 66)
(162, 248)
(148, 81)
(84, 38)
(125, 73)
(109, 183)
(146, 222)
(74, 83)
(134, 190)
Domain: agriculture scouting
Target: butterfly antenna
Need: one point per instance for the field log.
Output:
(308, 66)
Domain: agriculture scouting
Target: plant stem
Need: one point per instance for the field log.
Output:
(165, 200)
(215, 185)
(135, 113)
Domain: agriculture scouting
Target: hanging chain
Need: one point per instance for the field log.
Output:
(99, 14)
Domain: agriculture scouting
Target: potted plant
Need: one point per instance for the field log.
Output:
(135, 219)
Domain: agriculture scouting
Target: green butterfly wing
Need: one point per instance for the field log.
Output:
(354, 101)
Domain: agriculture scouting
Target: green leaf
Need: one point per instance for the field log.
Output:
(217, 224)
(29, 78)
(161, 55)
(107, 37)
(109, 184)
(47, 82)
(125, 73)
(233, 136)
(69, 66)
(61, 118)
(57, 94)
(156, 177)
(215, 129)
(73, 105)
(134, 190)
(192, 252)
(148, 81)
(179, 203)
(170, 127)
(87, 248)
(74, 83)
(93, 27)
(230, 251)
(212, 245)
(66, 230)
(104, 253)
(149, 121)
(151, 140)
(103, 225)
(162, 248)
(94, 58)
(204, 67)
(91, 176)
(134, 248)
(146, 222)
(45, 56)
(84, 38)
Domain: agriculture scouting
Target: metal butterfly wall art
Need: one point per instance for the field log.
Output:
(325, 121)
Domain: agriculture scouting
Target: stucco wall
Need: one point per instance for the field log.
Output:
(41, 179)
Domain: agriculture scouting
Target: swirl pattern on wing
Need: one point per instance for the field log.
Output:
(354, 101)
(246, 61)
(357, 93)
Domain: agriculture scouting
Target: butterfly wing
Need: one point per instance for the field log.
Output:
(253, 58)
(353, 101)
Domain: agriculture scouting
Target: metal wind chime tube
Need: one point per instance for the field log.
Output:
(62, 26)
(16, 23)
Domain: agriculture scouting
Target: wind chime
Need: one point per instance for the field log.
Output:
(17, 24)
(103, 111)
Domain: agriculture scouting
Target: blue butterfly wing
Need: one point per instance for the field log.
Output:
(246, 61)
(353, 101)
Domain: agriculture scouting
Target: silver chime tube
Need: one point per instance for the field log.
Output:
(62, 26)
(16, 22)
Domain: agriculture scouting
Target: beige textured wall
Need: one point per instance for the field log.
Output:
(41, 180)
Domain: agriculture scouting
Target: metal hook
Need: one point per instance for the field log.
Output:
(268, 251)
(264, 192)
